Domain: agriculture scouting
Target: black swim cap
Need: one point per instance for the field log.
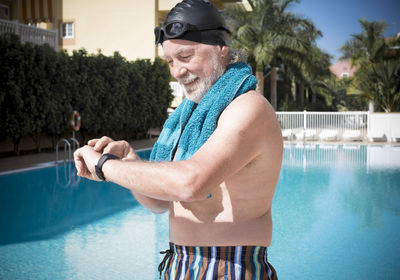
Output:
(194, 20)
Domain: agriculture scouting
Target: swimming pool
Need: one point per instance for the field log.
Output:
(336, 216)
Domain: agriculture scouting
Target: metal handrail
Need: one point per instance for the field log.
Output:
(74, 142)
(66, 143)
(70, 178)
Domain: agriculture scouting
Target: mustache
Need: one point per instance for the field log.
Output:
(190, 77)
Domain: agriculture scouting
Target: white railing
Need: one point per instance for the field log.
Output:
(319, 121)
(30, 34)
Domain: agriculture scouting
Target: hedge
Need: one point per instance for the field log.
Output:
(40, 88)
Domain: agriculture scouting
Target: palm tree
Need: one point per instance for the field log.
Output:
(378, 62)
(367, 47)
(307, 75)
(380, 82)
(268, 33)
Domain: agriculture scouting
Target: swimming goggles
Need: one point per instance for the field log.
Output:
(175, 29)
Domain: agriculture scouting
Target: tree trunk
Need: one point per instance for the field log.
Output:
(307, 96)
(294, 90)
(301, 94)
(16, 142)
(260, 82)
(273, 87)
(36, 138)
(313, 98)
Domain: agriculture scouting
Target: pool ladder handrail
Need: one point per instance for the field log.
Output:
(70, 178)
(67, 144)
(74, 142)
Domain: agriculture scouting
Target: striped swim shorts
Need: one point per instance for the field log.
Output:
(232, 262)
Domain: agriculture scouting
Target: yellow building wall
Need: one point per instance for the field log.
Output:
(126, 26)
(167, 5)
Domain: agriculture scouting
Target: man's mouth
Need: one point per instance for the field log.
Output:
(189, 83)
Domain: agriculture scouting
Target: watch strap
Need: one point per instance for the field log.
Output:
(100, 163)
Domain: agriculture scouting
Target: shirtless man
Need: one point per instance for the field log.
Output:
(220, 198)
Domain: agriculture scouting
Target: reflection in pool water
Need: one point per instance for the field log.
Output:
(337, 212)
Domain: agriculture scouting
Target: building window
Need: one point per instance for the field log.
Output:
(345, 75)
(4, 12)
(67, 30)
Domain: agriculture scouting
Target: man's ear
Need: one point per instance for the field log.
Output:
(224, 51)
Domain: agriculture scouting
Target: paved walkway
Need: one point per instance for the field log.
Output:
(26, 161)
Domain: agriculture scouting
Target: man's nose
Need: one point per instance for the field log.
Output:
(178, 71)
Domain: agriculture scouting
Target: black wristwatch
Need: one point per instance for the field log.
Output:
(99, 165)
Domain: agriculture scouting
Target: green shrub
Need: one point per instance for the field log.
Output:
(40, 88)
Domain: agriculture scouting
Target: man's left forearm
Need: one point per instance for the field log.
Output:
(154, 205)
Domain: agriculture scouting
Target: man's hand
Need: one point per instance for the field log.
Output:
(85, 160)
(121, 149)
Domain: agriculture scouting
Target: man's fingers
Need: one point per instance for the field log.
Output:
(79, 161)
(77, 156)
(101, 143)
(80, 164)
(93, 142)
(107, 150)
(113, 148)
(81, 169)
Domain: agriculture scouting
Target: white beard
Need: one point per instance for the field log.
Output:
(201, 87)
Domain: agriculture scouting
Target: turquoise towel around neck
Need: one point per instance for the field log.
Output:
(191, 124)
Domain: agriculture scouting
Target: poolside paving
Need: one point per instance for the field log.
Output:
(31, 160)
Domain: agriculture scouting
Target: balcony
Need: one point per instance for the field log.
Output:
(30, 34)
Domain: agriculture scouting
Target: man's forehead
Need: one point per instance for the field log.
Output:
(176, 47)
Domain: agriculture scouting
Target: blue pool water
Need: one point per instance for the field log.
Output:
(336, 216)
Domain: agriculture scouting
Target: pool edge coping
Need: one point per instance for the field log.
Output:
(46, 165)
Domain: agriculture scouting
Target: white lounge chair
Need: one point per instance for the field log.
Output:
(328, 135)
(351, 135)
(311, 134)
(376, 136)
(287, 134)
(308, 134)
(395, 135)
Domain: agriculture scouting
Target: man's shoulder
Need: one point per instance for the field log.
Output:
(250, 105)
(251, 98)
(252, 116)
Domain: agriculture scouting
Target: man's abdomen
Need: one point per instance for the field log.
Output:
(187, 231)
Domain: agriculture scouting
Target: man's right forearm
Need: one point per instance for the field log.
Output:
(154, 205)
